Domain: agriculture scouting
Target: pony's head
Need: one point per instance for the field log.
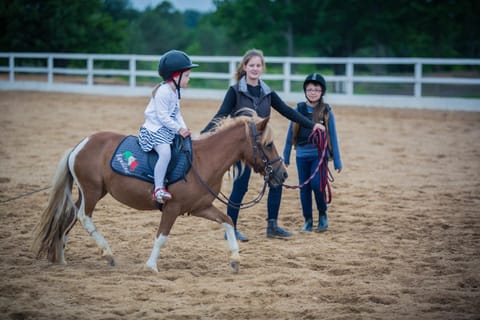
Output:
(260, 152)
(263, 156)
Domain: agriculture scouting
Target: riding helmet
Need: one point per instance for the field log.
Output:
(174, 61)
(315, 78)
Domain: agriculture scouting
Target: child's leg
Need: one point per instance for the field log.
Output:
(303, 169)
(164, 155)
(319, 194)
(320, 200)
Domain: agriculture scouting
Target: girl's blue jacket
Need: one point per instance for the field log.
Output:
(310, 149)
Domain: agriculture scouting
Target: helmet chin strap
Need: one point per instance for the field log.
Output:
(177, 84)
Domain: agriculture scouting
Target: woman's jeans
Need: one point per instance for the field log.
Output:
(240, 188)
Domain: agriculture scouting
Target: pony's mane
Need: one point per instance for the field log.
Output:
(225, 123)
(248, 115)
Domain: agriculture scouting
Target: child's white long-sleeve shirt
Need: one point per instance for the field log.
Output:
(161, 107)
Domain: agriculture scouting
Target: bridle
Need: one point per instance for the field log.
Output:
(267, 169)
(257, 144)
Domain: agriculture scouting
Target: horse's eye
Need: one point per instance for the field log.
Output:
(269, 145)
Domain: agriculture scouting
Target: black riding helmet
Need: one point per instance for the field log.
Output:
(315, 78)
(174, 61)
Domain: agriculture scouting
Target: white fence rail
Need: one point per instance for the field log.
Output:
(395, 82)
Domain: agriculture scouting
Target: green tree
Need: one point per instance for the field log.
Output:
(346, 28)
(57, 26)
(157, 30)
(437, 28)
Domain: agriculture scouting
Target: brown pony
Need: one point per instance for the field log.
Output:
(248, 139)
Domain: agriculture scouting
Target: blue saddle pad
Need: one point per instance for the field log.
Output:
(130, 160)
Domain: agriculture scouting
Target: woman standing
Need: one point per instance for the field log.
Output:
(250, 92)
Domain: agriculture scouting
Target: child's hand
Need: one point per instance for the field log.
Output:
(184, 132)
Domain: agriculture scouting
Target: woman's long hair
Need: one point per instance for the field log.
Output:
(248, 55)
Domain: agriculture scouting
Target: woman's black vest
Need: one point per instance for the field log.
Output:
(261, 105)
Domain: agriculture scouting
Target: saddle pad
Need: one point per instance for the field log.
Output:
(130, 160)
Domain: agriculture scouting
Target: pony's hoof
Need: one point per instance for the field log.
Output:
(110, 260)
(235, 265)
(150, 268)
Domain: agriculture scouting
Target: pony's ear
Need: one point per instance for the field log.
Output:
(263, 124)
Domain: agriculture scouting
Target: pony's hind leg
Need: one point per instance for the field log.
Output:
(65, 239)
(86, 204)
(87, 223)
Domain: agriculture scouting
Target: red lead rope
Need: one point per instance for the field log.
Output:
(319, 138)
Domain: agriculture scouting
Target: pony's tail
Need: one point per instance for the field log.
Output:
(58, 217)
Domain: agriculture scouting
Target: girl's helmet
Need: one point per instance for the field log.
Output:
(315, 78)
(174, 61)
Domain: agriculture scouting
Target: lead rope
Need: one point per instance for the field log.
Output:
(319, 138)
(25, 194)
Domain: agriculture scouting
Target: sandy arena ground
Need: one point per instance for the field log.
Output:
(403, 243)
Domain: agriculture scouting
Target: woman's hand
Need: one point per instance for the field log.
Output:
(319, 126)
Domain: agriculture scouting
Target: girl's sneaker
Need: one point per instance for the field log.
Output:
(161, 195)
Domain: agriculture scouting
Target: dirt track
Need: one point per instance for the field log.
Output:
(403, 241)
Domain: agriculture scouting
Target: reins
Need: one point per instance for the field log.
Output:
(225, 200)
(267, 168)
(319, 138)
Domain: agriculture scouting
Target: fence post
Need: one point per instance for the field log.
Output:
(286, 76)
(133, 70)
(50, 69)
(232, 70)
(417, 89)
(11, 66)
(349, 70)
(90, 71)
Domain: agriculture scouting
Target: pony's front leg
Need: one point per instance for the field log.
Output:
(233, 245)
(151, 263)
(166, 222)
(214, 214)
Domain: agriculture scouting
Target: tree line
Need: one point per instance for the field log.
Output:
(300, 28)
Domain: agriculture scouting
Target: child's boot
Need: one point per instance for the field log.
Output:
(322, 222)
(161, 195)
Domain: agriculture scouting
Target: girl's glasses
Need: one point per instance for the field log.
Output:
(314, 90)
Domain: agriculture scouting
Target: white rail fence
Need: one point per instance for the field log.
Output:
(384, 82)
